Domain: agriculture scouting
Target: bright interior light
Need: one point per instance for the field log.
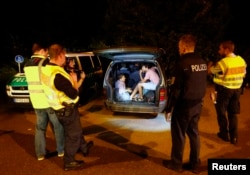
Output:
(157, 124)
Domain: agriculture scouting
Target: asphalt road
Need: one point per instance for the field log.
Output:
(124, 144)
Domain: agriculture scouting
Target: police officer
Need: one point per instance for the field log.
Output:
(61, 89)
(229, 73)
(185, 102)
(44, 113)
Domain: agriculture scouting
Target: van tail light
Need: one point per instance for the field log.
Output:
(162, 94)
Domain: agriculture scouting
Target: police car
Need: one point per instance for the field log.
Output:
(17, 89)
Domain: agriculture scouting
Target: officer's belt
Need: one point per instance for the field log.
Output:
(66, 111)
(70, 105)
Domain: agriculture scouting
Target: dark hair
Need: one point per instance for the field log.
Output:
(120, 76)
(68, 59)
(38, 46)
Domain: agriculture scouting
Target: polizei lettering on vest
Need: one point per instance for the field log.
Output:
(198, 67)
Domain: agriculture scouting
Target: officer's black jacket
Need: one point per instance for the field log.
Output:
(190, 80)
(63, 84)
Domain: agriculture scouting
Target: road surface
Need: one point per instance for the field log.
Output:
(124, 144)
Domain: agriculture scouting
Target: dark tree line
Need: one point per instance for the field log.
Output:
(92, 24)
(160, 23)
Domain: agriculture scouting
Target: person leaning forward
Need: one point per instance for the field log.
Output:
(185, 102)
(61, 89)
(44, 113)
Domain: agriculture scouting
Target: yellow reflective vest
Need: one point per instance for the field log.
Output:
(35, 87)
(55, 97)
(233, 72)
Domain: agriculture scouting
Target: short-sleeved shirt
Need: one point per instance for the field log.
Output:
(121, 86)
(152, 76)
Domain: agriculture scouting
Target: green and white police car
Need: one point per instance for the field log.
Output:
(17, 89)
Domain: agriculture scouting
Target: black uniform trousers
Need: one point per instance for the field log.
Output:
(227, 108)
(73, 135)
(185, 118)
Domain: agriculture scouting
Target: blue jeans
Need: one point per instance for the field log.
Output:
(43, 117)
(125, 96)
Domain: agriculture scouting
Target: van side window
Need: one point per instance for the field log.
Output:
(96, 61)
(86, 64)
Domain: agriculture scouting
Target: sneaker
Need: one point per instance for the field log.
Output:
(140, 99)
(60, 154)
(41, 158)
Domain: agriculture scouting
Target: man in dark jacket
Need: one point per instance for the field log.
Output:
(185, 100)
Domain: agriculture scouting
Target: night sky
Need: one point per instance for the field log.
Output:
(52, 19)
(239, 27)
(57, 20)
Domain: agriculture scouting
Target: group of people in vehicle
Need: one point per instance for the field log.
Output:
(141, 80)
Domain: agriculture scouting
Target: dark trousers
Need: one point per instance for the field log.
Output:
(227, 108)
(73, 136)
(185, 118)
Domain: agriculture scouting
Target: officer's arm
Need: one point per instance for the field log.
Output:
(215, 69)
(175, 89)
(170, 101)
(63, 84)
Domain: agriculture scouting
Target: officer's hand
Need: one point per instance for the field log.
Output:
(209, 65)
(168, 116)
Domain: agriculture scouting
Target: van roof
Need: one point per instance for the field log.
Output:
(69, 54)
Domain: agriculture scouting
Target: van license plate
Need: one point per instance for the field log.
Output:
(21, 100)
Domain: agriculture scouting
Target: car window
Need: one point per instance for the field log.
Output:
(86, 64)
(96, 61)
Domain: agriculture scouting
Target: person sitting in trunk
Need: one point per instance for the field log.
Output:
(149, 82)
(122, 93)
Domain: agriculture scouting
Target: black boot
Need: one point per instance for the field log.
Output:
(73, 165)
